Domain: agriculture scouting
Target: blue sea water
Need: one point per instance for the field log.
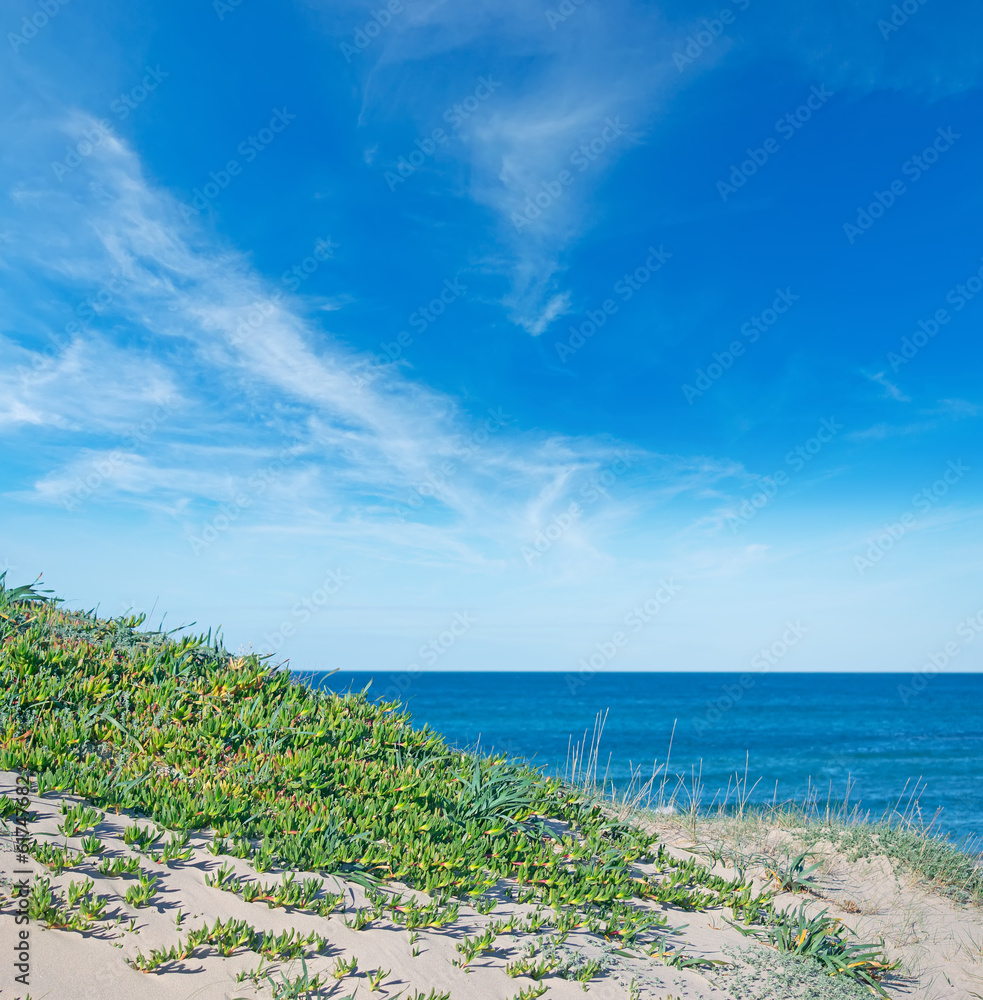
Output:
(793, 732)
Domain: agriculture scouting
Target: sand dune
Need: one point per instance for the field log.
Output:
(938, 941)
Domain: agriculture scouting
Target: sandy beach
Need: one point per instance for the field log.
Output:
(936, 941)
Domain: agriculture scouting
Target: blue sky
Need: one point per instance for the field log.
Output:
(449, 335)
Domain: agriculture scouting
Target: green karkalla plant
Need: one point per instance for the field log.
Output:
(177, 730)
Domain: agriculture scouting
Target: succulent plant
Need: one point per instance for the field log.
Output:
(284, 775)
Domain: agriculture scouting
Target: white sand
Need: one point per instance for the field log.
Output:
(932, 936)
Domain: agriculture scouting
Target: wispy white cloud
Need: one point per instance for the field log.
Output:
(959, 408)
(891, 391)
(946, 411)
(883, 430)
(594, 63)
(558, 305)
(560, 84)
(862, 49)
(91, 385)
(191, 328)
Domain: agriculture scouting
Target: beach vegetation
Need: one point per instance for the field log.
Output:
(117, 867)
(228, 937)
(92, 846)
(140, 838)
(299, 987)
(471, 947)
(758, 972)
(186, 736)
(76, 890)
(143, 891)
(78, 819)
(951, 869)
(56, 858)
(531, 968)
(793, 875)
(915, 846)
(343, 968)
(824, 939)
(176, 849)
(377, 977)
(76, 913)
(531, 992)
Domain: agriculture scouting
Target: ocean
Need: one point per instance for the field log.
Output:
(884, 735)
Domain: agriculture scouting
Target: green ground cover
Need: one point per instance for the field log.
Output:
(180, 731)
